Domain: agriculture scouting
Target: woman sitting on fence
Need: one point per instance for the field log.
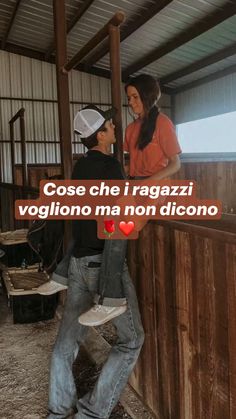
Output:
(153, 149)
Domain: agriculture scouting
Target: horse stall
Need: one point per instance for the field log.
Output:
(58, 56)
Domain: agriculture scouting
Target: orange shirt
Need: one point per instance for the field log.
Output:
(155, 156)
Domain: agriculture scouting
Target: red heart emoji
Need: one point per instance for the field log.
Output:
(126, 228)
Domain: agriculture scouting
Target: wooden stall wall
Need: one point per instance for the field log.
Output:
(37, 172)
(215, 180)
(185, 280)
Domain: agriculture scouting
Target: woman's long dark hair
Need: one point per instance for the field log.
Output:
(149, 92)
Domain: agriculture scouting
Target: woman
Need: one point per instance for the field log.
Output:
(153, 147)
(150, 140)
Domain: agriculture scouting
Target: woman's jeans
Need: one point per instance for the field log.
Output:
(110, 290)
(99, 402)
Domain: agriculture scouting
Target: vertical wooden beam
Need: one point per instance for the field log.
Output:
(63, 103)
(23, 149)
(62, 88)
(81, 11)
(114, 40)
(12, 151)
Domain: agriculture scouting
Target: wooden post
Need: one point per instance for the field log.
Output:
(62, 88)
(114, 39)
(12, 151)
(63, 103)
(23, 149)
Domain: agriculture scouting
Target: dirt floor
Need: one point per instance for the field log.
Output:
(25, 351)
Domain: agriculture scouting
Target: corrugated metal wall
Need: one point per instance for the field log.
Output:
(29, 83)
(210, 99)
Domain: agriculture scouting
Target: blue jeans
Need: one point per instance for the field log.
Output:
(98, 403)
(109, 288)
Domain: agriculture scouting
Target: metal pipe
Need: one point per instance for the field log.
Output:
(17, 115)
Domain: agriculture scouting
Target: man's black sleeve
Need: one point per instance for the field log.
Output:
(74, 175)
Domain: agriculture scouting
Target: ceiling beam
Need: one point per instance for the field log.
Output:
(207, 79)
(81, 11)
(100, 72)
(185, 36)
(132, 25)
(27, 52)
(198, 65)
(13, 15)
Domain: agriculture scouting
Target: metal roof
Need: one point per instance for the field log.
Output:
(29, 24)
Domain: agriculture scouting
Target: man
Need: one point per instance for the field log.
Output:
(97, 133)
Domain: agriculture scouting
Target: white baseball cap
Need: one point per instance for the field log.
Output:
(90, 119)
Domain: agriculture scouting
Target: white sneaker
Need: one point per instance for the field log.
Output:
(100, 314)
(51, 287)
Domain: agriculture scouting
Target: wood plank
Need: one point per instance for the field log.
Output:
(195, 299)
(183, 307)
(165, 334)
(147, 305)
(231, 302)
(208, 361)
(219, 290)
